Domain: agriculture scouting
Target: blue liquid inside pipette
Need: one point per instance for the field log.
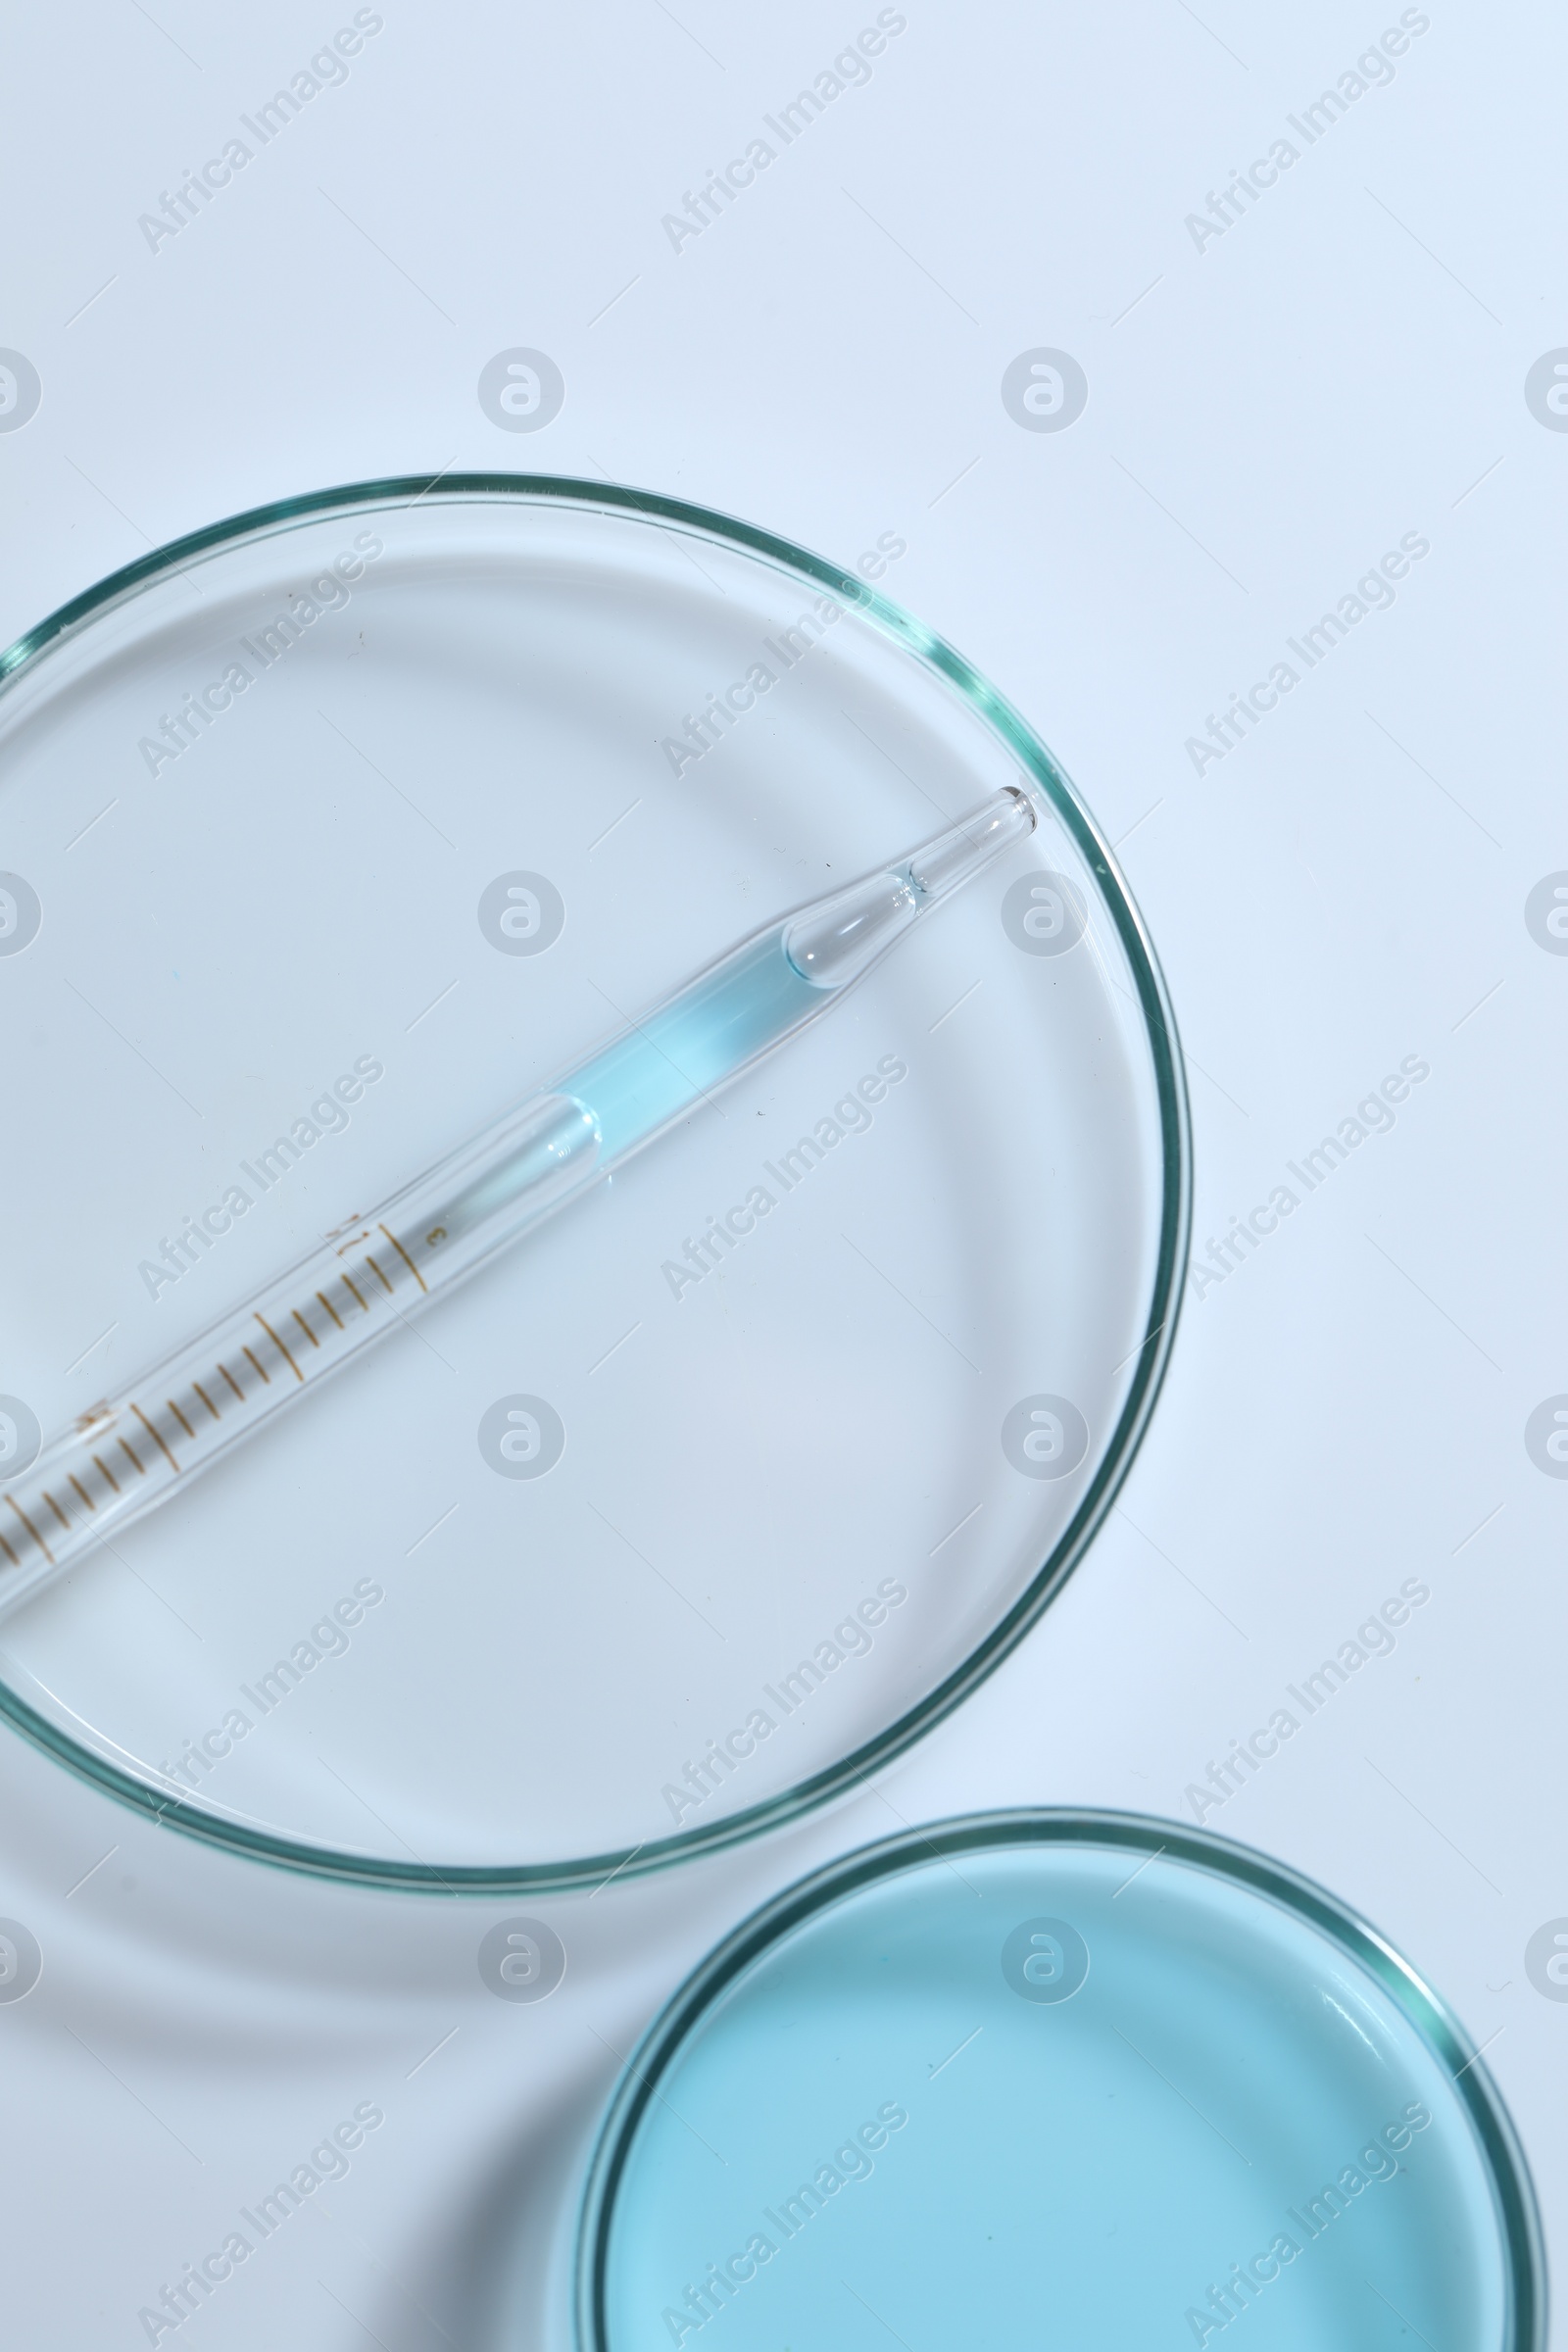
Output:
(594, 1117)
(681, 1052)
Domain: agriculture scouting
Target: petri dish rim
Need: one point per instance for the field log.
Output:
(71, 619)
(1524, 2259)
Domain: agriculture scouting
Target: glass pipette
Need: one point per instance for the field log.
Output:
(119, 1459)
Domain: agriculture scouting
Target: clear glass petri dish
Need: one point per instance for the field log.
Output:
(1057, 2077)
(845, 1370)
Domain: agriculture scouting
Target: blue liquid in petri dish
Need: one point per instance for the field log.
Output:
(1058, 2094)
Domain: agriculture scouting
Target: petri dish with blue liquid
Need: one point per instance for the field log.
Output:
(1059, 2079)
(335, 841)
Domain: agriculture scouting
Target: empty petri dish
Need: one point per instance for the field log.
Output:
(1066, 2078)
(331, 834)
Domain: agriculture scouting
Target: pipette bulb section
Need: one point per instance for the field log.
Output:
(835, 940)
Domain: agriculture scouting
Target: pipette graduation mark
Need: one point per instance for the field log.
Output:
(119, 1459)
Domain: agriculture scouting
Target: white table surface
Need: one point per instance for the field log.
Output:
(1270, 411)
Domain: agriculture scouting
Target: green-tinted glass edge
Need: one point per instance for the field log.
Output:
(1153, 1351)
(1525, 2325)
